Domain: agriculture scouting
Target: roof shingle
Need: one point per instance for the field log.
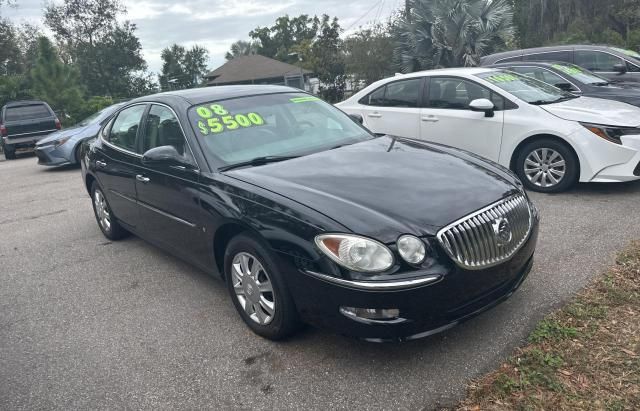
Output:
(253, 67)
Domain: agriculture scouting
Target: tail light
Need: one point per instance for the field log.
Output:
(58, 125)
(3, 130)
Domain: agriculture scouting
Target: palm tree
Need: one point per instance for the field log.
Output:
(451, 33)
(242, 48)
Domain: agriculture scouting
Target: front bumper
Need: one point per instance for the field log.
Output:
(23, 142)
(50, 155)
(604, 162)
(426, 309)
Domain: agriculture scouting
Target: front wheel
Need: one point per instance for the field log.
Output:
(547, 166)
(258, 290)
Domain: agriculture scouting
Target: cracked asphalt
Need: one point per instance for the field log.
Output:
(90, 324)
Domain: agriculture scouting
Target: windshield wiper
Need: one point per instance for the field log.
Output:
(258, 161)
(543, 102)
(601, 84)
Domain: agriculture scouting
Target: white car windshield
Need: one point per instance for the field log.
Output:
(526, 88)
(243, 129)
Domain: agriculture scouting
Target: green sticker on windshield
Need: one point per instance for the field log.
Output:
(304, 99)
(570, 70)
(502, 78)
(215, 119)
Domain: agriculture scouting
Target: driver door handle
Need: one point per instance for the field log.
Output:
(101, 164)
(374, 115)
(142, 179)
(430, 119)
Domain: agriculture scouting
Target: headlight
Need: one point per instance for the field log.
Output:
(356, 253)
(411, 249)
(611, 134)
(60, 142)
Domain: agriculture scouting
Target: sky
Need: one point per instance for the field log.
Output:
(216, 24)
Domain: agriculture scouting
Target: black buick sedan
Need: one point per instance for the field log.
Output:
(307, 216)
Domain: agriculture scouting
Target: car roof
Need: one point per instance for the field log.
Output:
(24, 103)
(512, 53)
(445, 71)
(530, 63)
(206, 94)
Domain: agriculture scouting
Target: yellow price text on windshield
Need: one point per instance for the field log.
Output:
(216, 119)
(502, 78)
(567, 70)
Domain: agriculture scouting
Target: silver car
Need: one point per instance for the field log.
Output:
(63, 147)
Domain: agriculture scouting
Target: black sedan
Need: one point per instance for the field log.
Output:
(307, 216)
(577, 80)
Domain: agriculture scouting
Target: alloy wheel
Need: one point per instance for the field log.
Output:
(102, 210)
(545, 167)
(253, 288)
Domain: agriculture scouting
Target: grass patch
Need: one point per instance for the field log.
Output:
(584, 356)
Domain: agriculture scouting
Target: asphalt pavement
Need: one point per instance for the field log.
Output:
(90, 324)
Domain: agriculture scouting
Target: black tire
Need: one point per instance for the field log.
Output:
(571, 166)
(114, 230)
(9, 152)
(285, 320)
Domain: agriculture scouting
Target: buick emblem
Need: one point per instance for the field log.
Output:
(502, 231)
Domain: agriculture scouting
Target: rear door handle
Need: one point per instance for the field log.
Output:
(374, 115)
(430, 119)
(142, 179)
(101, 164)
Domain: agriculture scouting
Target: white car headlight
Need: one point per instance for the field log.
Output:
(356, 253)
(411, 249)
(61, 141)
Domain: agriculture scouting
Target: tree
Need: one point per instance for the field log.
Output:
(451, 33)
(182, 68)
(329, 64)
(369, 54)
(278, 40)
(107, 52)
(10, 54)
(242, 48)
(56, 83)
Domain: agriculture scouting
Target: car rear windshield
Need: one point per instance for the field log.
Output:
(525, 88)
(288, 124)
(29, 112)
(580, 74)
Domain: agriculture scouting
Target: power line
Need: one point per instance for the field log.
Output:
(364, 15)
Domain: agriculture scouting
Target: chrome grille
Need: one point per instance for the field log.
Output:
(482, 239)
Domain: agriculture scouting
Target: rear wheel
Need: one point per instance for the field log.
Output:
(9, 152)
(258, 290)
(104, 216)
(547, 166)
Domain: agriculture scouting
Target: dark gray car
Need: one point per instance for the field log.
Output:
(24, 123)
(614, 63)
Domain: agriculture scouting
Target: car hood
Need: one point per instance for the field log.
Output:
(62, 133)
(387, 186)
(597, 111)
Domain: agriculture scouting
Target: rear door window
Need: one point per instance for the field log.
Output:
(124, 130)
(597, 60)
(404, 93)
(549, 56)
(30, 112)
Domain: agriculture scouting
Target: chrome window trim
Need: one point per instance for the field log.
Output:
(184, 135)
(165, 214)
(378, 285)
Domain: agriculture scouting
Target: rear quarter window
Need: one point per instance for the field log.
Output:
(30, 112)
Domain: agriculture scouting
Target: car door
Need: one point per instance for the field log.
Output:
(604, 63)
(394, 108)
(168, 194)
(447, 119)
(116, 163)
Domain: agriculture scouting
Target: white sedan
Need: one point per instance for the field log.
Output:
(549, 137)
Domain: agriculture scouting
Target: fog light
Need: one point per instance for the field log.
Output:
(375, 314)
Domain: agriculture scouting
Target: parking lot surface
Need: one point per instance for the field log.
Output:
(87, 323)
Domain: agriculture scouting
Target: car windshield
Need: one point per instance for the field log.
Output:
(526, 88)
(272, 126)
(97, 117)
(580, 74)
(627, 52)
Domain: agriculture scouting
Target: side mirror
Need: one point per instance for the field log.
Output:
(564, 86)
(483, 105)
(165, 155)
(357, 118)
(620, 68)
